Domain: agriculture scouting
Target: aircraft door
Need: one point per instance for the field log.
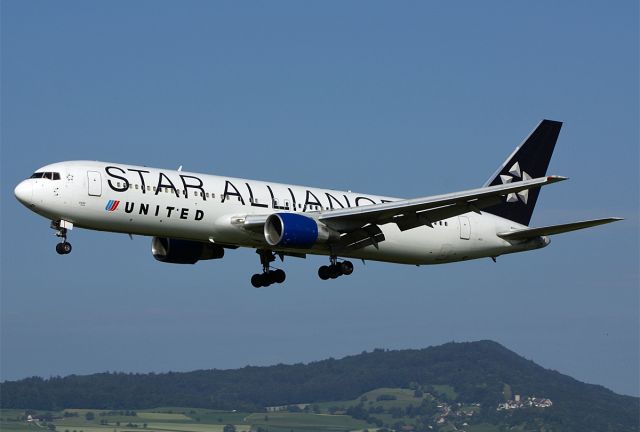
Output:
(95, 183)
(465, 227)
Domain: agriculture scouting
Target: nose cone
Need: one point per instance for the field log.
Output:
(24, 192)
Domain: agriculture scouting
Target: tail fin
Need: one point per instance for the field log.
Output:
(529, 160)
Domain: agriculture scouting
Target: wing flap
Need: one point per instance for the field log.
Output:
(360, 238)
(528, 233)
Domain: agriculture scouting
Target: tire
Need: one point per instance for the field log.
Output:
(60, 248)
(267, 279)
(346, 268)
(66, 247)
(256, 280)
(323, 273)
(334, 271)
(279, 276)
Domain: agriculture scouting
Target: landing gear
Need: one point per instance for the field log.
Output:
(335, 269)
(64, 247)
(265, 279)
(268, 276)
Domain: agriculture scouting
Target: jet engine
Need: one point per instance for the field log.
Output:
(175, 251)
(296, 230)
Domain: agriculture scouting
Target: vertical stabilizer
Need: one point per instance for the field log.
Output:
(529, 160)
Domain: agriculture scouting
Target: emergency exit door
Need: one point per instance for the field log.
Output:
(465, 227)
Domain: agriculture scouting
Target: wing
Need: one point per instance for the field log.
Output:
(527, 233)
(411, 213)
(358, 226)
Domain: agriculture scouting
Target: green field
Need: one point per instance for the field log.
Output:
(302, 421)
(180, 420)
(384, 405)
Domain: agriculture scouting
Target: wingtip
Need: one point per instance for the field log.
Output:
(556, 178)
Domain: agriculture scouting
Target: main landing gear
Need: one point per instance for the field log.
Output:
(64, 247)
(268, 276)
(335, 269)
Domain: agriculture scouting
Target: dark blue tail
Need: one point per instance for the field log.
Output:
(529, 160)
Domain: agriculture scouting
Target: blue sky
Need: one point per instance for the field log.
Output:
(400, 99)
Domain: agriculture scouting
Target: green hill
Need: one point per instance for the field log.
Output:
(477, 374)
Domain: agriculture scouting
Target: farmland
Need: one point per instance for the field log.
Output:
(374, 410)
(173, 420)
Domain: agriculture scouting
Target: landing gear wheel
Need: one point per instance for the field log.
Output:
(334, 271)
(256, 280)
(323, 272)
(346, 268)
(63, 248)
(279, 276)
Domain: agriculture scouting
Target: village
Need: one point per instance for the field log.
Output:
(518, 402)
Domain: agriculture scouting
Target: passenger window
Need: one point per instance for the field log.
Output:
(136, 186)
(149, 188)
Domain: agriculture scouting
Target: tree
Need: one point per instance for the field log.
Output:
(89, 416)
(229, 428)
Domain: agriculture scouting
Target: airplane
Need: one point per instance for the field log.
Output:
(193, 217)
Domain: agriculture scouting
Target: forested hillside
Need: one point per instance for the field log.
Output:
(479, 372)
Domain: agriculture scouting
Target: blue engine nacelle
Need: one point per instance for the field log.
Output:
(177, 251)
(295, 230)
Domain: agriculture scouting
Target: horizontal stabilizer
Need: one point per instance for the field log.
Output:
(528, 233)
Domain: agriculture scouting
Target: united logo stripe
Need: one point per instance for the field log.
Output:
(112, 205)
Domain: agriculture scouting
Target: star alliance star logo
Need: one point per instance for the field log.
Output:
(521, 175)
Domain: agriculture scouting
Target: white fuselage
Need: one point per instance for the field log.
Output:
(167, 203)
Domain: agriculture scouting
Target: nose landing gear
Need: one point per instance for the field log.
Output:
(61, 227)
(335, 269)
(268, 276)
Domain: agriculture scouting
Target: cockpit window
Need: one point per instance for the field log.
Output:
(47, 174)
